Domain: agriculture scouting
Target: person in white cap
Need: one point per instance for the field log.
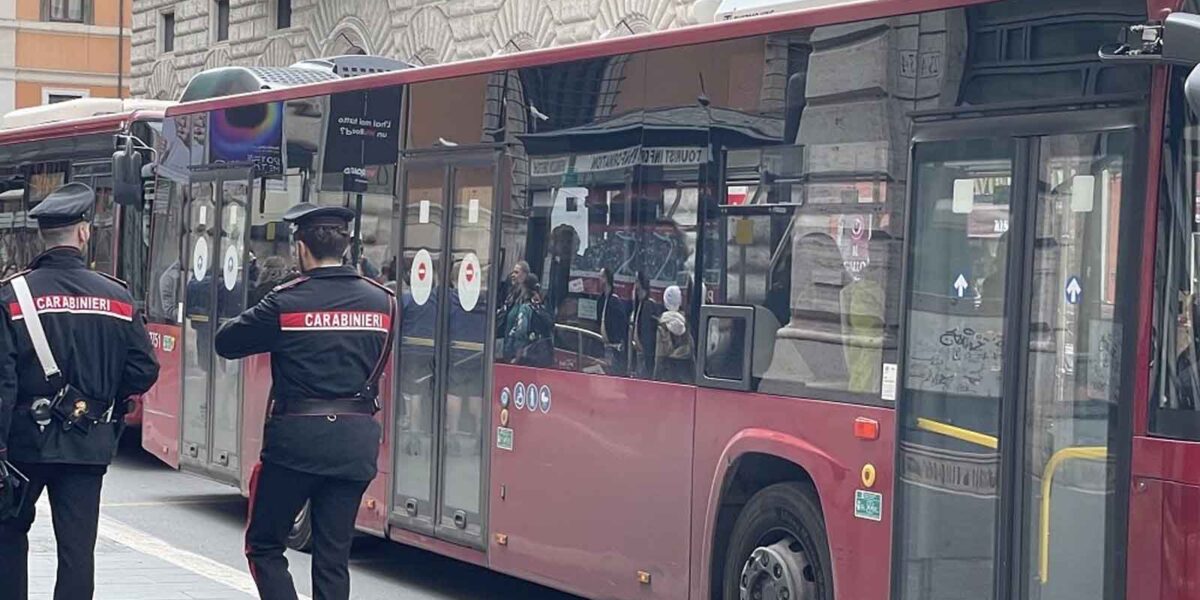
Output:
(674, 355)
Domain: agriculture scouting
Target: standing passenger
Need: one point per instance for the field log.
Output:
(66, 372)
(673, 359)
(329, 334)
(614, 321)
(644, 326)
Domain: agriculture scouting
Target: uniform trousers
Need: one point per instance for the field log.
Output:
(75, 511)
(277, 494)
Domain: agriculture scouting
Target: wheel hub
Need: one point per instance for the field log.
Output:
(780, 571)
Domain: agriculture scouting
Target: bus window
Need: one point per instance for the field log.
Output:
(608, 221)
(165, 230)
(820, 257)
(166, 225)
(100, 246)
(1176, 413)
(18, 234)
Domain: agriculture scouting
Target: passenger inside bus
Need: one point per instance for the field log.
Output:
(643, 325)
(673, 359)
(528, 327)
(613, 316)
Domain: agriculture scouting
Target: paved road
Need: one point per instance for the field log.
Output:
(170, 536)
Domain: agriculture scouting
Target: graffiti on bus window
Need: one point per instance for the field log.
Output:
(1104, 360)
(956, 355)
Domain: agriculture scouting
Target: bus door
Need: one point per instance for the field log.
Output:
(445, 344)
(1022, 265)
(214, 291)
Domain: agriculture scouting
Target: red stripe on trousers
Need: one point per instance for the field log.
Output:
(250, 518)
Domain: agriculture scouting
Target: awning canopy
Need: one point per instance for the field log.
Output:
(678, 126)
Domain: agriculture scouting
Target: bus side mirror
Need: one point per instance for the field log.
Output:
(1174, 42)
(1181, 45)
(127, 177)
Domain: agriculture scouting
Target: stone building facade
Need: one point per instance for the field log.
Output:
(423, 32)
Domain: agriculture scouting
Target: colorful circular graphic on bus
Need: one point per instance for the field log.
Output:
(544, 400)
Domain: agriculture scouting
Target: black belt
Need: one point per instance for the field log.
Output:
(322, 407)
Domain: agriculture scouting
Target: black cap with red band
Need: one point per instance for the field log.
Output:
(69, 204)
(306, 214)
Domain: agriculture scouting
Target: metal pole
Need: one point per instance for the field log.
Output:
(121, 51)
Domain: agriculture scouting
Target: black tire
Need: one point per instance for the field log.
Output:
(300, 537)
(775, 512)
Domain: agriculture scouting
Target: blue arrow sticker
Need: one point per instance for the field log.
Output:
(1073, 290)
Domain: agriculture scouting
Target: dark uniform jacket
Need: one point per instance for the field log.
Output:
(326, 332)
(99, 341)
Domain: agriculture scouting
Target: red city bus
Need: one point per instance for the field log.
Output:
(915, 316)
(43, 147)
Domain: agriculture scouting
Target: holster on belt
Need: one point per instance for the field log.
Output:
(70, 407)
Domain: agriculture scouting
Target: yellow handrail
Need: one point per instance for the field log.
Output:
(1052, 465)
(1056, 459)
(958, 433)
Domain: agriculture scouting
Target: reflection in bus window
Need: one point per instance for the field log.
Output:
(819, 257)
(609, 210)
(1177, 410)
(19, 240)
(100, 247)
(166, 222)
(953, 377)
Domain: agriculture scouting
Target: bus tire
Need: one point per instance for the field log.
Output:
(300, 536)
(778, 547)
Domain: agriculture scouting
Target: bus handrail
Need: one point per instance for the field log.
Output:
(1056, 460)
(958, 433)
(1052, 465)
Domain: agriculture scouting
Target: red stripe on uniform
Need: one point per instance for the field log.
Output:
(76, 305)
(250, 517)
(335, 320)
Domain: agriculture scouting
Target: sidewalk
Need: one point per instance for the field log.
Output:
(133, 566)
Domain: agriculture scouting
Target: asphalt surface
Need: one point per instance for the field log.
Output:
(166, 535)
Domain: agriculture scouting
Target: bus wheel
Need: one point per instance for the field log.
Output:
(778, 548)
(300, 537)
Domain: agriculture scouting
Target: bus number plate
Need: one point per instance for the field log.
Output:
(868, 505)
(504, 438)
